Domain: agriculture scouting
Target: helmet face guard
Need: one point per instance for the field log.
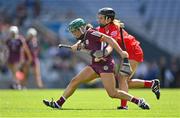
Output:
(107, 13)
(78, 24)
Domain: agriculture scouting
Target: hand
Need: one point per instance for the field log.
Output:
(99, 59)
(74, 47)
(98, 54)
(124, 54)
(126, 69)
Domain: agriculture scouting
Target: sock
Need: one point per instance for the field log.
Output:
(135, 100)
(61, 101)
(148, 84)
(123, 103)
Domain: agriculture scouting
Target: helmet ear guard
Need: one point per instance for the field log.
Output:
(82, 29)
(78, 24)
(107, 12)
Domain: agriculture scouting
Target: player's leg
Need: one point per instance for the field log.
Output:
(108, 81)
(26, 74)
(86, 75)
(124, 85)
(16, 82)
(125, 82)
(138, 83)
(37, 73)
(133, 83)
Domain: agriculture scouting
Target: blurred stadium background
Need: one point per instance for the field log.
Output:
(155, 23)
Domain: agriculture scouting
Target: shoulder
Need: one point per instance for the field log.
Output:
(113, 30)
(22, 39)
(94, 32)
(97, 28)
(113, 26)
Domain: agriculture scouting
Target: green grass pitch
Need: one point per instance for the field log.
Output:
(87, 103)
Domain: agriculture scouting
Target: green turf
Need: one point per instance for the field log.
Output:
(86, 103)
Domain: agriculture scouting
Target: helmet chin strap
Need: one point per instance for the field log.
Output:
(106, 22)
(106, 18)
(81, 37)
(82, 30)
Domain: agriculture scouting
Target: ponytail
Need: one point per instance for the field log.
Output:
(118, 23)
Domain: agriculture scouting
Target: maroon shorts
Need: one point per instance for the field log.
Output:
(104, 67)
(13, 59)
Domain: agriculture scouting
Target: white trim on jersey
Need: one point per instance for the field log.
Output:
(102, 45)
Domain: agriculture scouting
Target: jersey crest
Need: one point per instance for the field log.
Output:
(113, 33)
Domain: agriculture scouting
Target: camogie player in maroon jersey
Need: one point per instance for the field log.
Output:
(91, 41)
(17, 46)
(32, 43)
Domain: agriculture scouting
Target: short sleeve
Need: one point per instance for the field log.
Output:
(96, 34)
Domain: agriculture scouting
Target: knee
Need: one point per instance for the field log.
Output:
(123, 80)
(129, 82)
(113, 94)
(74, 81)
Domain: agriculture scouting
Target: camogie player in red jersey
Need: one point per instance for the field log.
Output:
(90, 41)
(111, 27)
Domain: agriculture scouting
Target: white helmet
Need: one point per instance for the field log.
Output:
(31, 31)
(14, 29)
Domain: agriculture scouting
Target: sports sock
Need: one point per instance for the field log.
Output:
(61, 101)
(135, 100)
(123, 103)
(148, 84)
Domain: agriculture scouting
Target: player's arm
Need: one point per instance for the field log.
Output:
(126, 68)
(104, 52)
(108, 50)
(114, 45)
(79, 46)
(76, 46)
(114, 34)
